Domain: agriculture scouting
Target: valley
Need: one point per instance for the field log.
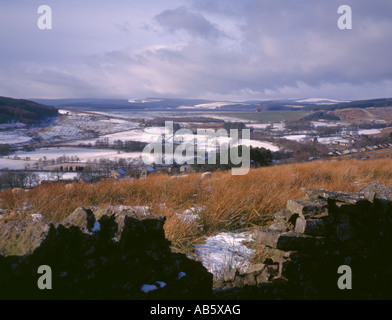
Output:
(107, 137)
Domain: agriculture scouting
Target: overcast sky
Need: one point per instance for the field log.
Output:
(213, 49)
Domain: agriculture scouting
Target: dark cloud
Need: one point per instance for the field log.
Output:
(181, 19)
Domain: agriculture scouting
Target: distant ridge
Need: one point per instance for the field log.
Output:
(24, 111)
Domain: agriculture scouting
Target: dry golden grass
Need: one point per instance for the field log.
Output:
(228, 202)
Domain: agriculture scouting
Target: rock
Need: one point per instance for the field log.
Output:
(267, 274)
(278, 226)
(239, 282)
(307, 208)
(22, 237)
(314, 227)
(331, 229)
(285, 216)
(88, 265)
(250, 280)
(82, 218)
(344, 232)
(206, 175)
(348, 197)
(113, 219)
(289, 241)
(256, 268)
(230, 275)
(262, 278)
(375, 190)
(279, 281)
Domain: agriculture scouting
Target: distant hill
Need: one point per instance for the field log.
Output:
(321, 106)
(358, 104)
(24, 111)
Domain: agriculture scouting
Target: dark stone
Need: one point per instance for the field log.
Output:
(239, 282)
(313, 227)
(307, 208)
(288, 241)
(345, 232)
(230, 275)
(279, 281)
(93, 265)
(250, 280)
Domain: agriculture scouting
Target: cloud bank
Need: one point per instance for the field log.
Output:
(221, 49)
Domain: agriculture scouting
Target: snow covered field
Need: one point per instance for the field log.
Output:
(74, 125)
(259, 144)
(321, 123)
(13, 137)
(213, 105)
(83, 154)
(295, 137)
(14, 164)
(369, 131)
(331, 140)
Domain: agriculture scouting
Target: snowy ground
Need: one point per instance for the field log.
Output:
(225, 252)
(295, 137)
(369, 131)
(213, 105)
(74, 125)
(331, 140)
(322, 123)
(13, 137)
(259, 144)
(83, 154)
(12, 164)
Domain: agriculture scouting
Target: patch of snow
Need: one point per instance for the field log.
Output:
(160, 284)
(213, 105)
(278, 126)
(321, 123)
(83, 154)
(369, 131)
(97, 227)
(37, 217)
(148, 287)
(258, 144)
(190, 216)
(224, 252)
(320, 101)
(295, 137)
(330, 140)
(181, 275)
(74, 125)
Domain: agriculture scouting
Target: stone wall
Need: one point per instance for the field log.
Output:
(312, 238)
(106, 254)
(97, 255)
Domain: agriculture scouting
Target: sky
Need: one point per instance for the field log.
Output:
(208, 49)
